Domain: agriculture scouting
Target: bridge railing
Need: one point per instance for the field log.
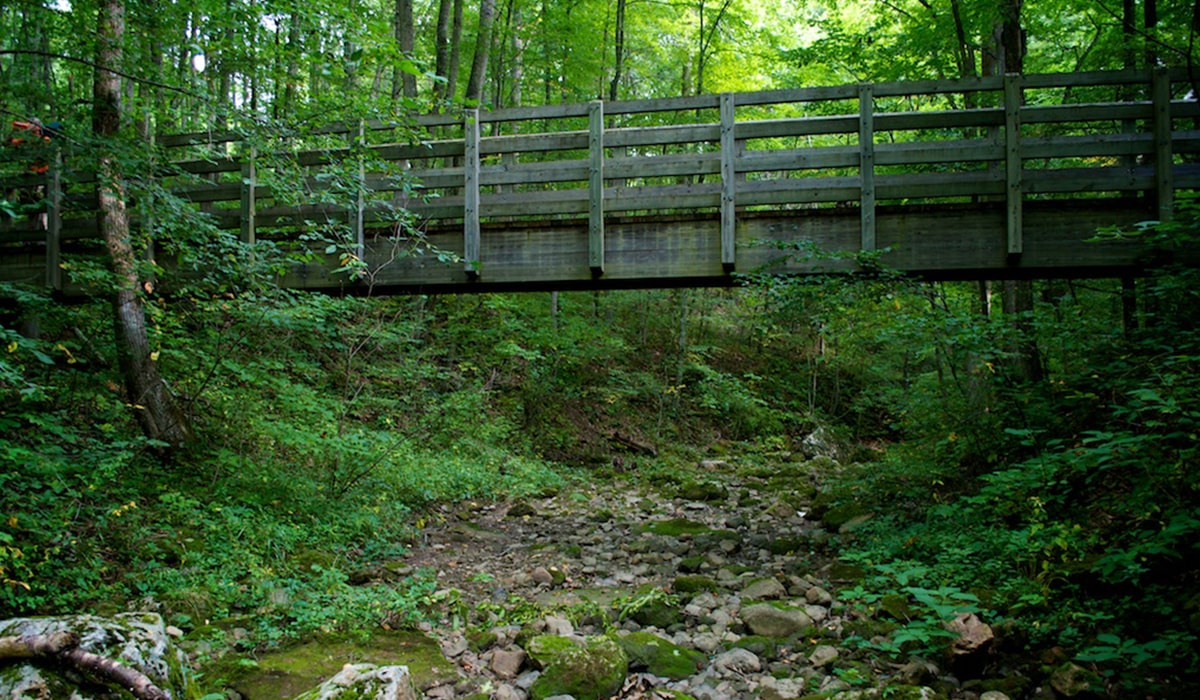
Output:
(1007, 139)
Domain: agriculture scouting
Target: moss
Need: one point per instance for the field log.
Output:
(895, 606)
(787, 545)
(840, 515)
(693, 584)
(691, 565)
(291, 671)
(660, 657)
(589, 669)
(703, 491)
(763, 647)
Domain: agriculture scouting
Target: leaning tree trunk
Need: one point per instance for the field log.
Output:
(156, 409)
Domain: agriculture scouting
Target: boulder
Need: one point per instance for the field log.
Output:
(660, 657)
(588, 668)
(356, 681)
(137, 641)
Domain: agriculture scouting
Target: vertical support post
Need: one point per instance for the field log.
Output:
(1013, 193)
(1164, 185)
(471, 193)
(728, 184)
(54, 223)
(360, 200)
(866, 164)
(249, 197)
(596, 187)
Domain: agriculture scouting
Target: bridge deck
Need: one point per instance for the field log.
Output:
(991, 177)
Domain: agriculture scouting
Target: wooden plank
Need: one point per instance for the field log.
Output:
(866, 165)
(1163, 186)
(798, 126)
(949, 119)
(728, 183)
(1116, 178)
(798, 159)
(596, 187)
(931, 152)
(1014, 197)
(248, 198)
(633, 137)
(471, 201)
(1110, 112)
(358, 230)
(54, 196)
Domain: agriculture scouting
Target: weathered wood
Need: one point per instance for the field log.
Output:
(866, 164)
(1164, 188)
(596, 187)
(728, 183)
(471, 203)
(54, 199)
(556, 192)
(1014, 196)
(248, 196)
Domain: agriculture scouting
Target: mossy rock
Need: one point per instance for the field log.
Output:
(660, 657)
(690, 565)
(288, 672)
(703, 491)
(693, 584)
(840, 515)
(763, 647)
(868, 629)
(895, 606)
(521, 509)
(911, 692)
(587, 669)
(656, 612)
(601, 515)
(846, 572)
(675, 527)
(788, 545)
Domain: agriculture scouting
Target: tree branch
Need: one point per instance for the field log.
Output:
(92, 64)
(63, 648)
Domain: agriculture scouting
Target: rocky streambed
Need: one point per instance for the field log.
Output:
(715, 585)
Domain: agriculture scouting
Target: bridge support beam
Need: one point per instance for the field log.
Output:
(866, 163)
(54, 224)
(1164, 184)
(1014, 189)
(596, 187)
(471, 194)
(728, 184)
(248, 196)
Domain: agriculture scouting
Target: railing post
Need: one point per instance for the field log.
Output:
(866, 163)
(1163, 156)
(54, 223)
(471, 193)
(728, 183)
(360, 201)
(1013, 193)
(249, 197)
(596, 187)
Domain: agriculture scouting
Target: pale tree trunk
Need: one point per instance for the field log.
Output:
(483, 47)
(155, 408)
(441, 50)
(455, 53)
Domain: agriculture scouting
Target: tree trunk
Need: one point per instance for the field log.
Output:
(154, 406)
(455, 54)
(483, 47)
(441, 65)
(404, 82)
(618, 51)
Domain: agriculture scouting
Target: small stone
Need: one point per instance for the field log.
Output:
(541, 575)
(737, 661)
(506, 663)
(764, 589)
(993, 695)
(770, 621)
(818, 596)
(823, 655)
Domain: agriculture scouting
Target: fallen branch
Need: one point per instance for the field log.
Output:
(63, 648)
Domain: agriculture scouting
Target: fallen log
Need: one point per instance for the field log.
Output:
(63, 648)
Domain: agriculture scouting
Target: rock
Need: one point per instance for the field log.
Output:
(560, 626)
(713, 465)
(781, 510)
(740, 661)
(136, 640)
(541, 575)
(819, 443)
(781, 688)
(1071, 680)
(503, 691)
(823, 655)
(366, 681)
(506, 663)
(818, 596)
(993, 695)
(771, 621)
(660, 657)
(973, 634)
(590, 668)
(764, 589)
(521, 509)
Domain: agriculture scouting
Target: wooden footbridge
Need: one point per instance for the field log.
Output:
(997, 177)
